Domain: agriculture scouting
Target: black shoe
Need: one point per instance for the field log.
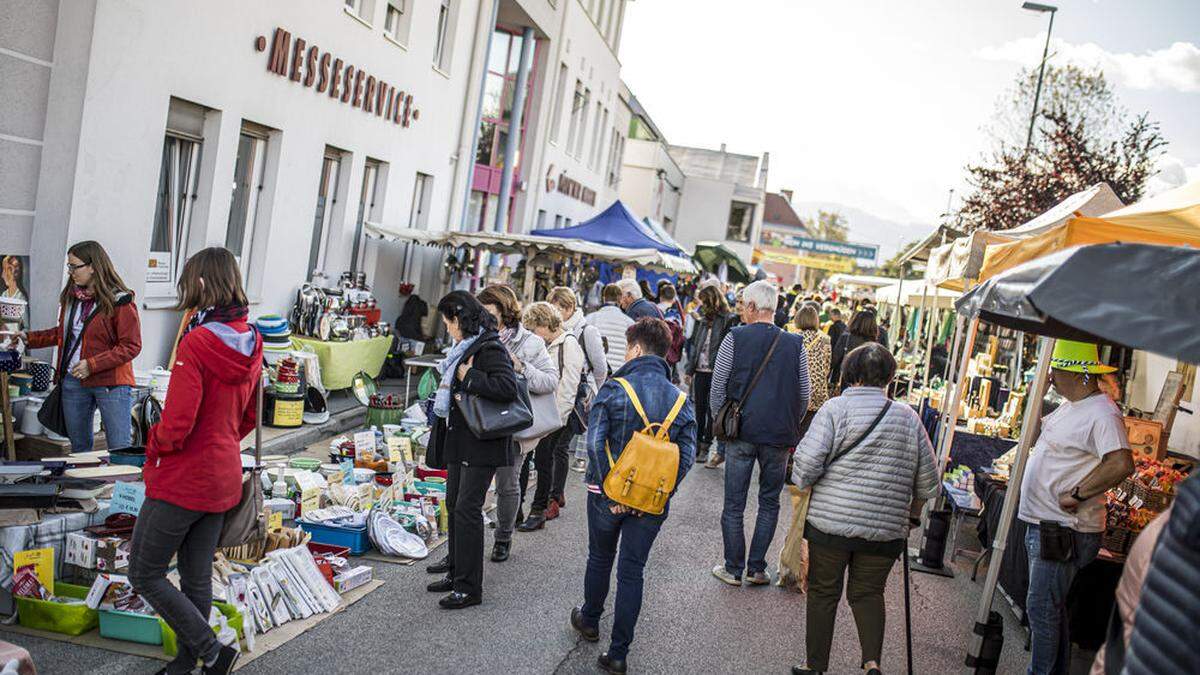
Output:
(440, 567)
(443, 585)
(589, 634)
(458, 600)
(535, 521)
(500, 551)
(799, 670)
(520, 515)
(226, 660)
(613, 666)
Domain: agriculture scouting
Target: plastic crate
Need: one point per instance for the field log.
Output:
(171, 644)
(55, 616)
(130, 627)
(316, 549)
(354, 538)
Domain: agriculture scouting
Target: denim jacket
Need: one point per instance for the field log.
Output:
(613, 418)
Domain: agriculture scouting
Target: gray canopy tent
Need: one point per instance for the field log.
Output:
(1134, 295)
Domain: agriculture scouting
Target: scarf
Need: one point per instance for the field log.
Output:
(85, 298)
(447, 368)
(224, 314)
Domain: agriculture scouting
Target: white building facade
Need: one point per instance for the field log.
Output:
(278, 128)
(723, 197)
(651, 181)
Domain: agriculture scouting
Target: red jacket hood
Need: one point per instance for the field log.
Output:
(228, 350)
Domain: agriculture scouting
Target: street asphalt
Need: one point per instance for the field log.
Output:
(690, 622)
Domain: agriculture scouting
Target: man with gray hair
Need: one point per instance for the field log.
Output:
(765, 370)
(634, 303)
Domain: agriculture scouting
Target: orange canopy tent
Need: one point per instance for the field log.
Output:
(1171, 218)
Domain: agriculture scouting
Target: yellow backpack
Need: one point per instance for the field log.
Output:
(644, 477)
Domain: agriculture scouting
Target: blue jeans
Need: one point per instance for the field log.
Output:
(740, 458)
(636, 535)
(79, 407)
(1046, 604)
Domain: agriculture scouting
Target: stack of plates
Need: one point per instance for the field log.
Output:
(277, 335)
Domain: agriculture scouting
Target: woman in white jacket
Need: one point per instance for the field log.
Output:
(545, 321)
(595, 370)
(531, 360)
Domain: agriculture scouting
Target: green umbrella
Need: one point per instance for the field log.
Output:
(710, 254)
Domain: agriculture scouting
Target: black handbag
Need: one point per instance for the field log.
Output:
(577, 418)
(727, 425)
(489, 420)
(51, 414)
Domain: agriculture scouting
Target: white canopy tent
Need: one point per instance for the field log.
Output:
(915, 294)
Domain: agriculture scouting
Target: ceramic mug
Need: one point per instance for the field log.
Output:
(42, 372)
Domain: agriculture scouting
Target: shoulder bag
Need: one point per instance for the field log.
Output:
(51, 415)
(577, 418)
(489, 420)
(727, 425)
(247, 522)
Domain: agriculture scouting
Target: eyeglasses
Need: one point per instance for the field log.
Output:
(72, 268)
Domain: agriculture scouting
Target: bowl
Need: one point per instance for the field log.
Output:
(128, 457)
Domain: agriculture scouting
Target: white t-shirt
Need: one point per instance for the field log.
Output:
(1073, 440)
(76, 331)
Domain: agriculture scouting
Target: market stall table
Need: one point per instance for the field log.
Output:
(341, 361)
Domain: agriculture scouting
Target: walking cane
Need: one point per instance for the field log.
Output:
(907, 614)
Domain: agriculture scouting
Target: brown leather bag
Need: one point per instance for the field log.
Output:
(727, 425)
(247, 522)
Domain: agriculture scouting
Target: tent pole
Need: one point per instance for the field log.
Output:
(931, 326)
(952, 403)
(899, 312)
(1030, 427)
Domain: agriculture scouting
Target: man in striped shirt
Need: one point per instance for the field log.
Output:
(766, 369)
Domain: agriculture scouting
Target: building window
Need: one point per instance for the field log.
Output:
(422, 192)
(560, 90)
(474, 219)
(583, 121)
(601, 129)
(361, 8)
(558, 220)
(178, 178)
(499, 92)
(566, 223)
(397, 21)
(541, 219)
(368, 208)
(441, 49)
(578, 104)
(327, 195)
(616, 157)
(741, 220)
(248, 172)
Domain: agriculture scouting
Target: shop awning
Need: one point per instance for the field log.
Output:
(921, 252)
(614, 226)
(1137, 295)
(507, 242)
(861, 281)
(954, 264)
(910, 294)
(1169, 219)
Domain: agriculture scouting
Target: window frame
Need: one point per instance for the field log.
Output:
(560, 93)
(399, 31)
(181, 207)
(441, 36)
(323, 218)
(257, 179)
(747, 221)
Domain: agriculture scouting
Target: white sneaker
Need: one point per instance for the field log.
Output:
(723, 574)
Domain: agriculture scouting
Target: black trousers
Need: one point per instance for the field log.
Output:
(466, 488)
(543, 461)
(701, 388)
(562, 462)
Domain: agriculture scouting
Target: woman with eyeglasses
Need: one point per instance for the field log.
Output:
(98, 335)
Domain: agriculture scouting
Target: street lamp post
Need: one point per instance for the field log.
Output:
(1038, 7)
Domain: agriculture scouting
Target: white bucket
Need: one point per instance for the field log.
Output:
(30, 426)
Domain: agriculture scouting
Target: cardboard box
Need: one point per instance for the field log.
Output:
(112, 554)
(80, 551)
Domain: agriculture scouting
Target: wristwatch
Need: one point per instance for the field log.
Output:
(1076, 496)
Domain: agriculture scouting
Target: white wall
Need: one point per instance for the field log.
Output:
(704, 215)
(1150, 373)
(642, 190)
(139, 58)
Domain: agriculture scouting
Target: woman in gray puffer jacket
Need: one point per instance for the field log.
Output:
(532, 360)
(871, 468)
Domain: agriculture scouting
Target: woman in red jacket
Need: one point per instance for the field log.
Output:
(95, 371)
(193, 469)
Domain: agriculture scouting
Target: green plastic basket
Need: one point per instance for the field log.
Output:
(171, 644)
(130, 627)
(55, 616)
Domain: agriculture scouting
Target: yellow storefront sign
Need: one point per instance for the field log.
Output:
(831, 264)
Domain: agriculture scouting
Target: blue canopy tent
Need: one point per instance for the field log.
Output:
(615, 226)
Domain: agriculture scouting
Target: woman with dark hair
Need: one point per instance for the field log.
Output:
(477, 365)
(531, 359)
(98, 335)
(193, 469)
(871, 467)
(863, 328)
(714, 322)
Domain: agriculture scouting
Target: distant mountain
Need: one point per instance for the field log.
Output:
(868, 228)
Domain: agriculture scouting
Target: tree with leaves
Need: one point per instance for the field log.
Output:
(828, 225)
(1082, 137)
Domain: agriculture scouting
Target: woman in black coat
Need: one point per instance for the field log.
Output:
(477, 365)
(712, 325)
(863, 328)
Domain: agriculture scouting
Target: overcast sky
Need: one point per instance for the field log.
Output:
(879, 103)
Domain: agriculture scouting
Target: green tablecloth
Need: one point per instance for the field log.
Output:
(341, 361)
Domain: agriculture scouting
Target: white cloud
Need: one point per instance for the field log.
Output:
(1172, 173)
(1176, 67)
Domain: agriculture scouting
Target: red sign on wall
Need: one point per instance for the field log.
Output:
(307, 64)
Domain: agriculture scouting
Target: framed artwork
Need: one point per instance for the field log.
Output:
(1146, 438)
(14, 283)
